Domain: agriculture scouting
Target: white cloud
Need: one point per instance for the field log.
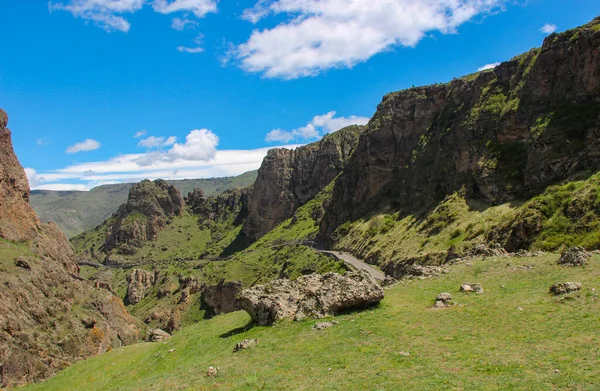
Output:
(195, 49)
(139, 134)
(200, 145)
(198, 7)
(108, 14)
(43, 141)
(125, 168)
(488, 66)
(104, 13)
(548, 28)
(87, 145)
(157, 142)
(321, 34)
(326, 123)
(33, 177)
(181, 24)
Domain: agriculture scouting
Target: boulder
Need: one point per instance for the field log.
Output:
(323, 325)
(443, 300)
(574, 256)
(245, 344)
(312, 296)
(158, 335)
(567, 287)
(222, 298)
(468, 287)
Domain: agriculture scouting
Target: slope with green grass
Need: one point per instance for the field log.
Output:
(513, 336)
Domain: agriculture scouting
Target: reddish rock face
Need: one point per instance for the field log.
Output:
(17, 219)
(50, 317)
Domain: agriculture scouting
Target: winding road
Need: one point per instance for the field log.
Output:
(355, 263)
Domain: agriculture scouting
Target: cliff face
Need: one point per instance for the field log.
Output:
(500, 134)
(220, 208)
(288, 179)
(17, 220)
(49, 315)
(149, 206)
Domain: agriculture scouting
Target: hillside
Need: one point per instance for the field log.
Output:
(78, 211)
(513, 336)
(50, 316)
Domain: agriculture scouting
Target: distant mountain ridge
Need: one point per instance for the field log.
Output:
(78, 211)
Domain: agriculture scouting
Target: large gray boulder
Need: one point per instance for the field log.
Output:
(313, 296)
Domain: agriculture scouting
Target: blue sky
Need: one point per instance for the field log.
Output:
(208, 86)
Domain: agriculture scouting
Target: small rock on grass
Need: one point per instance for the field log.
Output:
(212, 371)
(469, 287)
(560, 289)
(245, 344)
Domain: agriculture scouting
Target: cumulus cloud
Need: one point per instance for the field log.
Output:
(109, 14)
(87, 145)
(139, 134)
(33, 177)
(488, 66)
(326, 123)
(548, 28)
(200, 145)
(321, 34)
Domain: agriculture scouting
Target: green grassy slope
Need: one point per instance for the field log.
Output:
(563, 215)
(77, 211)
(515, 336)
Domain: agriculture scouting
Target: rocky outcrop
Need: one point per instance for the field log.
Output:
(17, 221)
(574, 256)
(288, 179)
(310, 296)
(498, 134)
(50, 316)
(149, 206)
(138, 282)
(158, 335)
(222, 298)
(231, 204)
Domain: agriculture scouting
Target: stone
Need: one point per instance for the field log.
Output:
(158, 335)
(212, 371)
(245, 344)
(444, 296)
(470, 287)
(223, 297)
(322, 325)
(562, 288)
(389, 281)
(312, 296)
(574, 256)
(22, 263)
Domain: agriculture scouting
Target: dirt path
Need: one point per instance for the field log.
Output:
(355, 263)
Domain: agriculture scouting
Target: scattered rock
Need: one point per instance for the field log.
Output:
(89, 323)
(443, 300)
(574, 256)
(466, 287)
(158, 335)
(322, 325)
(560, 289)
(310, 296)
(212, 371)
(245, 344)
(519, 309)
(405, 354)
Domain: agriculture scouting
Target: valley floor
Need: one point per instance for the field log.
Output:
(514, 336)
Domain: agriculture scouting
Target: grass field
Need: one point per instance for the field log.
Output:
(515, 336)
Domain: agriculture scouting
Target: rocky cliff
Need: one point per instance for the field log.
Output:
(220, 208)
(149, 207)
(288, 179)
(499, 135)
(49, 315)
